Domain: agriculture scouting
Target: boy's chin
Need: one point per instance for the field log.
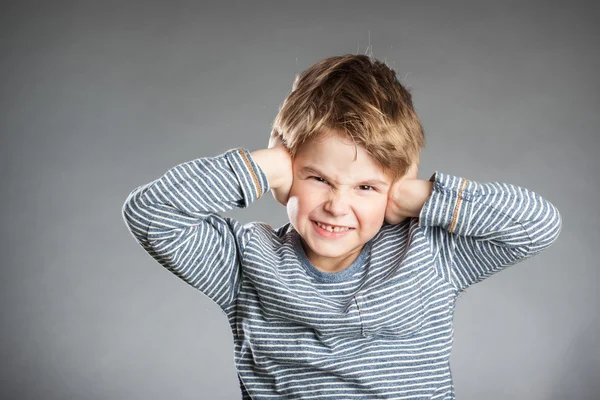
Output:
(332, 250)
(395, 222)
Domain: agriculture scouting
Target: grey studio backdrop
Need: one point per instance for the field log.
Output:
(100, 97)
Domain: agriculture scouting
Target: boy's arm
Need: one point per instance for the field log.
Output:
(176, 220)
(485, 226)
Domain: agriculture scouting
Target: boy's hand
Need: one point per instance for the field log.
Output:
(283, 184)
(276, 163)
(407, 196)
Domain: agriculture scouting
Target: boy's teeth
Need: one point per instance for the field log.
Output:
(331, 229)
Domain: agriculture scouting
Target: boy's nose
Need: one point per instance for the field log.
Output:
(336, 205)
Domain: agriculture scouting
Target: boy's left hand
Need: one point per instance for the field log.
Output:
(407, 196)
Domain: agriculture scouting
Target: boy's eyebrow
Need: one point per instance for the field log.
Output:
(312, 170)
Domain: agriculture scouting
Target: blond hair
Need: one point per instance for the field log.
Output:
(359, 98)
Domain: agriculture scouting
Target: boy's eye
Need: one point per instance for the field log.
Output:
(319, 179)
(366, 187)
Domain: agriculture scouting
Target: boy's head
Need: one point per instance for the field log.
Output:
(352, 131)
(360, 98)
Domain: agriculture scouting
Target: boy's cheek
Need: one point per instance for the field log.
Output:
(388, 205)
(378, 208)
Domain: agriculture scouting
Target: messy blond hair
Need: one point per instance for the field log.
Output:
(359, 98)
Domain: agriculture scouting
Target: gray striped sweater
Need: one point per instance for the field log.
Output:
(380, 329)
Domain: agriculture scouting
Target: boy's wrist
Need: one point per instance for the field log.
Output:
(406, 199)
(270, 161)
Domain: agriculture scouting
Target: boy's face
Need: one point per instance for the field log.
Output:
(331, 188)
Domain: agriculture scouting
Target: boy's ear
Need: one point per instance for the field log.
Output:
(413, 171)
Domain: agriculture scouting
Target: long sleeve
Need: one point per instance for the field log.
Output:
(176, 220)
(478, 229)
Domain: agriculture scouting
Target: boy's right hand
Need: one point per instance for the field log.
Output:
(276, 163)
(285, 177)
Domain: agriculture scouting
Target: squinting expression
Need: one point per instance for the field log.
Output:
(332, 188)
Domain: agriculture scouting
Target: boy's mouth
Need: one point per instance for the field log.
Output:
(332, 228)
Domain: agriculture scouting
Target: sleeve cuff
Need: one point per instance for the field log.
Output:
(252, 180)
(449, 201)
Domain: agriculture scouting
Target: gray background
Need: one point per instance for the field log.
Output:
(100, 97)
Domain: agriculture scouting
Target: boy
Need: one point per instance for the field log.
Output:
(354, 297)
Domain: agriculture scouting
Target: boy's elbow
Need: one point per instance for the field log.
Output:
(550, 232)
(556, 226)
(130, 212)
(126, 207)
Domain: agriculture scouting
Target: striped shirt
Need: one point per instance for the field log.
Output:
(379, 329)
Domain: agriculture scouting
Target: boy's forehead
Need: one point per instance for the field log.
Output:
(343, 174)
(338, 158)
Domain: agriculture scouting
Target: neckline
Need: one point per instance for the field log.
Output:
(329, 277)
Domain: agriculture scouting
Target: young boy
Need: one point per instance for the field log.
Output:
(354, 297)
